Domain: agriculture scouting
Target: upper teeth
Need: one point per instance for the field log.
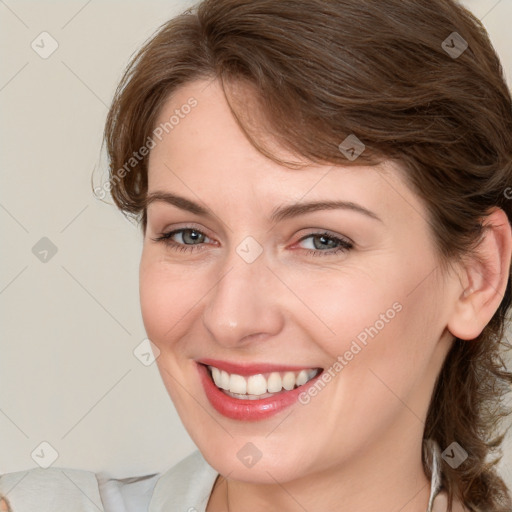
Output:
(259, 384)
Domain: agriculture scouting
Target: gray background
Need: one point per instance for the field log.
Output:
(70, 324)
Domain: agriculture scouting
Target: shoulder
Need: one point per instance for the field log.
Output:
(441, 504)
(74, 489)
(459, 507)
(185, 486)
(51, 489)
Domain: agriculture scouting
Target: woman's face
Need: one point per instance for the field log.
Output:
(354, 290)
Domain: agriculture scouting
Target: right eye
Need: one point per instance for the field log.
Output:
(186, 234)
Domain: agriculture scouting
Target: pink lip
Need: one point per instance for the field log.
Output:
(249, 410)
(251, 369)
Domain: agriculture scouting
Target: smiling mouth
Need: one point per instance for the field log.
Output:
(260, 385)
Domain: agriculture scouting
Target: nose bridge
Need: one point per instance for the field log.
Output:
(241, 304)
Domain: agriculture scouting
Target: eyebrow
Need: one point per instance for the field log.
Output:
(278, 214)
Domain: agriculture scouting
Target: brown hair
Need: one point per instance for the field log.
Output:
(322, 70)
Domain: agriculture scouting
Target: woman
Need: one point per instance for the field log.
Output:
(322, 189)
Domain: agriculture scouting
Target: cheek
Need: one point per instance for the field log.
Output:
(344, 306)
(168, 294)
(373, 320)
(390, 356)
(380, 355)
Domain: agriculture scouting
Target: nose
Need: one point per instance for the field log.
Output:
(243, 306)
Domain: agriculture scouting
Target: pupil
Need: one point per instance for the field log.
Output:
(323, 239)
(193, 235)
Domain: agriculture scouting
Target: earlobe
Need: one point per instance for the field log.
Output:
(486, 276)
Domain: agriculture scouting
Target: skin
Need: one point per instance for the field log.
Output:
(4, 505)
(364, 430)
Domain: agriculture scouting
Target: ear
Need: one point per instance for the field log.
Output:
(485, 276)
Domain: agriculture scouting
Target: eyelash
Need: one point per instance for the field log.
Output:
(345, 245)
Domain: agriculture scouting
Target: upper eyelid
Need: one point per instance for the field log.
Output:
(181, 228)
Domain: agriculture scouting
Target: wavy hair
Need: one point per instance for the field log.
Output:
(396, 74)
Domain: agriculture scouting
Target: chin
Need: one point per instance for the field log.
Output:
(252, 459)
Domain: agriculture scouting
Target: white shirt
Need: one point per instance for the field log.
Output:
(185, 487)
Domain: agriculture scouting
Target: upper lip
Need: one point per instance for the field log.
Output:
(252, 368)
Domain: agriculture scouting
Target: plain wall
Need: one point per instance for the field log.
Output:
(69, 325)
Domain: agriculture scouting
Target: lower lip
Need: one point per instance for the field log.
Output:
(249, 410)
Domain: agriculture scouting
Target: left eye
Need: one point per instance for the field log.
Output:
(192, 237)
(328, 241)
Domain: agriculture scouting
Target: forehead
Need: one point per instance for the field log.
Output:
(203, 152)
